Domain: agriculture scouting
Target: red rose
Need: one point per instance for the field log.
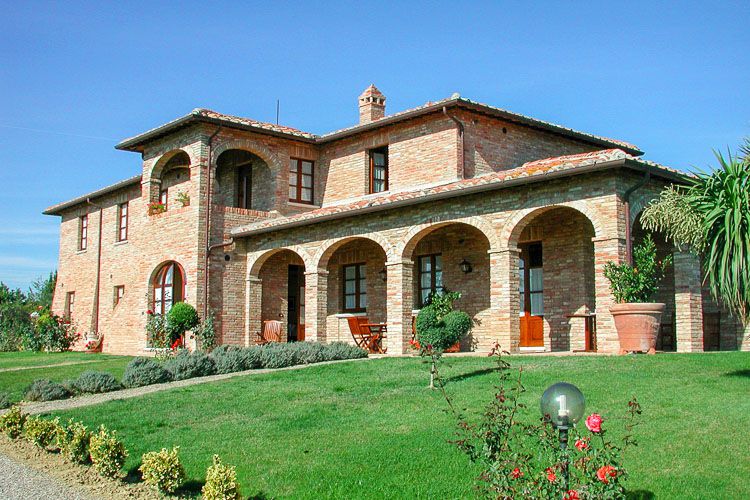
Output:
(606, 472)
(571, 495)
(582, 444)
(594, 422)
(150, 312)
(550, 474)
(516, 473)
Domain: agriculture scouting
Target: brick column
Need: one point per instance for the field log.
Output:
(504, 299)
(606, 250)
(253, 304)
(399, 302)
(688, 301)
(316, 305)
(743, 337)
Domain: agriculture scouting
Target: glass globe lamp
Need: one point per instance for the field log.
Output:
(563, 403)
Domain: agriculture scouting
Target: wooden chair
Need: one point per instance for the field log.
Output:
(271, 332)
(368, 335)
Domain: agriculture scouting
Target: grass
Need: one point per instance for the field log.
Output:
(372, 429)
(15, 382)
(26, 358)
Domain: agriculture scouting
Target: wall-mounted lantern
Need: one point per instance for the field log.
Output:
(383, 274)
(465, 266)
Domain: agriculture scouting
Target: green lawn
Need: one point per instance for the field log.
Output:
(372, 429)
(26, 358)
(16, 382)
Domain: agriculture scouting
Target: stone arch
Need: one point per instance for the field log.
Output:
(322, 256)
(255, 262)
(513, 227)
(159, 164)
(179, 281)
(407, 245)
(251, 146)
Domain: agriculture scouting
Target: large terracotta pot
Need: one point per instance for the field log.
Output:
(637, 326)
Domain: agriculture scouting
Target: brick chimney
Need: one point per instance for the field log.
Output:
(371, 105)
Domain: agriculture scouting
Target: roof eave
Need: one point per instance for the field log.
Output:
(60, 207)
(135, 143)
(238, 233)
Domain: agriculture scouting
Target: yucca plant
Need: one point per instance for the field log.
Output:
(711, 216)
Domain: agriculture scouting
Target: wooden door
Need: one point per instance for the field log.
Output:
(531, 291)
(296, 304)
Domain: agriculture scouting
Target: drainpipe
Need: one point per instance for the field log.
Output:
(626, 199)
(97, 287)
(460, 126)
(208, 226)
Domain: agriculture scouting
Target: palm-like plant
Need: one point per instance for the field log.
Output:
(711, 215)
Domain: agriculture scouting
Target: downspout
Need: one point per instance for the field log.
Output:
(461, 160)
(95, 313)
(626, 199)
(208, 226)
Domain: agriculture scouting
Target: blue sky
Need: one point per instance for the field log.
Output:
(76, 77)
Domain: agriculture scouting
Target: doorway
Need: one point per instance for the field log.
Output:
(296, 304)
(531, 291)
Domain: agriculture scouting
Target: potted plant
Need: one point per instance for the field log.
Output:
(637, 320)
(183, 198)
(156, 207)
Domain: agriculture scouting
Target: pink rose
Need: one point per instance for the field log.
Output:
(571, 495)
(594, 422)
(550, 475)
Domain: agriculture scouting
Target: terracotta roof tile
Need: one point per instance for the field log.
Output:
(532, 169)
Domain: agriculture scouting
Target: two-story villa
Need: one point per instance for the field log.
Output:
(265, 222)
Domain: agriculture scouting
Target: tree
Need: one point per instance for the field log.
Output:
(711, 216)
(42, 290)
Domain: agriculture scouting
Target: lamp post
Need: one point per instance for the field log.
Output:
(563, 405)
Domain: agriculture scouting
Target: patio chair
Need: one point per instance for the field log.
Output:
(368, 335)
(271, 332)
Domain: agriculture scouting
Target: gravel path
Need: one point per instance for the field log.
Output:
(67, 363)
(20, 482)
(93, 399)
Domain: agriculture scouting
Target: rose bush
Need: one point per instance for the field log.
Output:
(521, 458)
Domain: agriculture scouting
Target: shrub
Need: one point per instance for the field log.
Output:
(108, 454)
(40, 431)
(4, 400)
(157, 335)
(221, 482)
(342, 350)
(189, 365)
(441, 332)
(95, 382)
(180, 318)
(73, 440)
(12, 422)
(144, 371)
(638, 282)
(46, 390)
(163, 470)
(230, 359)
(205, 334)
(275, 355)
(55, 333)
(310, 352)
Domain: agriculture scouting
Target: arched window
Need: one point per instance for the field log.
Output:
(169, 287)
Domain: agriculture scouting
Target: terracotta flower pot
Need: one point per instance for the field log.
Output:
(637, 326)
